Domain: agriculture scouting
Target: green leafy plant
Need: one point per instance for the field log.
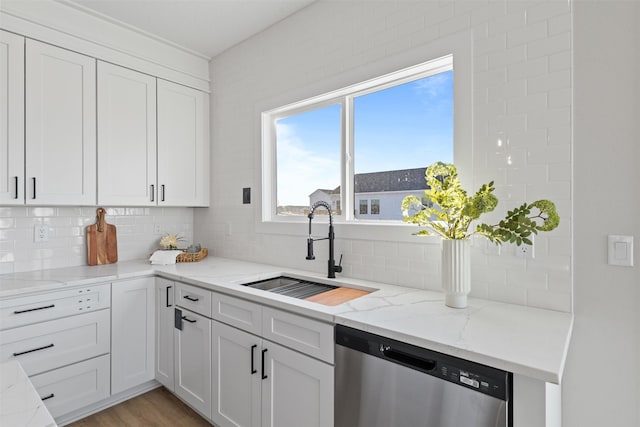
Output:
(449, 212)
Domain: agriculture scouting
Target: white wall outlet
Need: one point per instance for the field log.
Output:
(40, 233)
(157, 229)
(526, 251)
(620, 250)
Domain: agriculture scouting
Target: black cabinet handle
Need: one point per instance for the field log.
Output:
(185, 318)
(162, 190)
(187, 297)
(34, 187)
(32, 350)
(33, 309)
(16, 182)
(264, 377)
(153, 193)
(48, 397)
(167, 290)
(253, 369)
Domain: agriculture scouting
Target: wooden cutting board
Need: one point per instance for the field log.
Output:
(337, 296)
(102, 243)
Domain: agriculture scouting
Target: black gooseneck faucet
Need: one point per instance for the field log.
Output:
(332, 267)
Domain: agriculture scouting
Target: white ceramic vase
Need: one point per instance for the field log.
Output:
(456, 271)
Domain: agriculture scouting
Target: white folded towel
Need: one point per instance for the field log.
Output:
(161, 257)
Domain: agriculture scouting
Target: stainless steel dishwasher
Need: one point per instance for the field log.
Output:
(382, 382)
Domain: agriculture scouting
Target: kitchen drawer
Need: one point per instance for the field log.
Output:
(22, 311)
(237, 312)
(193, 298)
(75, 386)
(300, 333)
(50, 345)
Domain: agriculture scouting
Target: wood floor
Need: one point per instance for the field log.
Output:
(155, 408)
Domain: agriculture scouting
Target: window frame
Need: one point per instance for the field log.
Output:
(343, 97)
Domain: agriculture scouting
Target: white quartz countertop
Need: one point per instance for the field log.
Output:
(523, 340)
(20, 405)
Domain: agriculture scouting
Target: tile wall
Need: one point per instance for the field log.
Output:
(521, 93)
(67, 247)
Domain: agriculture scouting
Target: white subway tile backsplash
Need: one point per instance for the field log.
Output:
(548, 46)
(555, 80)
(547, 9)
(527, 34)
(66, 246)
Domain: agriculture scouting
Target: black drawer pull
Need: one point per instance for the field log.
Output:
(253, 369)
(34, 187)
(188, 320)
(32, 350)
(153, 193)
(33, 309)
(187, 297)
(264, 377)
(162, 188)
(16, 182)
(48, 397)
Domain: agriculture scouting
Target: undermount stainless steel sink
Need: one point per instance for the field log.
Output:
(296, 288)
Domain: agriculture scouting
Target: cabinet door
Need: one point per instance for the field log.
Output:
(183, 145)
(126, 136)
(192, 364)
(236, 377)
(298, 389)
(11, 119)
(60, 105)
(132, 333)
(164, 332)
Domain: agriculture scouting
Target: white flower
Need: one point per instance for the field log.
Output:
(170, 241)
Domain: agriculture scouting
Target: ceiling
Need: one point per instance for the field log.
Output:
(206, 27)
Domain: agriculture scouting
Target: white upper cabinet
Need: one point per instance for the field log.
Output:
(183, 145)
(126, 136)
(11, 119)
(60, 105)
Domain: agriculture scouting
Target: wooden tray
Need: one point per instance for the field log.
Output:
(337, 296)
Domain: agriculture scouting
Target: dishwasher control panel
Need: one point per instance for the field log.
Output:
(487, 384)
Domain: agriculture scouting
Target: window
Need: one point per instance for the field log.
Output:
(364, 207)
(373, 139)
(375, 207)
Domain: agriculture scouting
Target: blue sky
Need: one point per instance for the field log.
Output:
(403, 127)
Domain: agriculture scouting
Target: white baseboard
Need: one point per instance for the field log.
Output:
(106, 403)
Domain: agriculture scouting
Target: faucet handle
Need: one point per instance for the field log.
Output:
(338, 268)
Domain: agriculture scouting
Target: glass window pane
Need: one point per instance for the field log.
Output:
(375, 207)
(308, 160)
(364, 207)
(398, 132)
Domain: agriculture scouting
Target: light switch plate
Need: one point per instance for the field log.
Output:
(620, 250)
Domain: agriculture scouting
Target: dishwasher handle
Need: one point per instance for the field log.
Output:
(407, 359)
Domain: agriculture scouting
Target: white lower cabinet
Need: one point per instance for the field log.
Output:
(164, 332)
(75, 386)
(236, 377)
(192, 364)
(132, 329)
(259, 383)
(296, 389)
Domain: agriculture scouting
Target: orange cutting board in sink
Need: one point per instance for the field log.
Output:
(102, 242)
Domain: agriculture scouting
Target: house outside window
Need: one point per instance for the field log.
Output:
(372, 139)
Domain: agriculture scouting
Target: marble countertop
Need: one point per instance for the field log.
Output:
(20, 405)
(523, 340)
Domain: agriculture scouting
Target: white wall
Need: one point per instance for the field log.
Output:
(520, 56)
(67, 240)
(602, 379)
